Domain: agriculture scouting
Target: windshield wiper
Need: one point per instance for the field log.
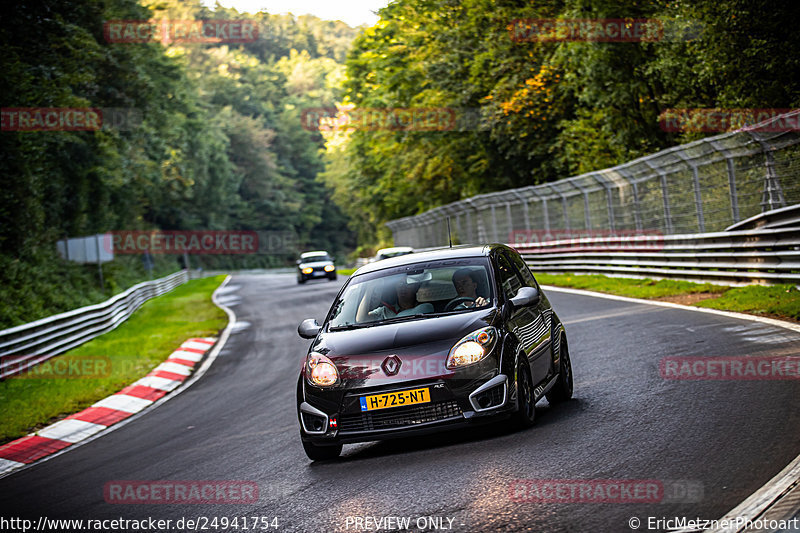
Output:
(345, 327)
(381, 322)
(402, 318)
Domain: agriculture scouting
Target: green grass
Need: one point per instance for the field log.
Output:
(128, 352)
(633, 288)
(776, 300)
(345, 271)
(781, 301)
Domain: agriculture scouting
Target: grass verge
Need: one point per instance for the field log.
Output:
(75, 380)
(345, 271)
(777, 301)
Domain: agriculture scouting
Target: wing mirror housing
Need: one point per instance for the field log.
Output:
(526, 297)
(309, 328)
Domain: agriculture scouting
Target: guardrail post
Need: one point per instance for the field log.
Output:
(510, 219)
(772, 197)
(732, 188)
(494, 223)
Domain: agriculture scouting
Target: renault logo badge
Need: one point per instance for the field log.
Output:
(391, 365)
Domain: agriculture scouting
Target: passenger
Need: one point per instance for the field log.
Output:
(407, 303)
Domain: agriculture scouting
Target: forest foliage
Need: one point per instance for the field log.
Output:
(545, 109)
(216, 143)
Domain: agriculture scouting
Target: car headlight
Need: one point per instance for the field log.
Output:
(321, 371)
(472, 348)
(329, 268)
(307, 270)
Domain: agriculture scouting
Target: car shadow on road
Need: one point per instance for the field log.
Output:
(546, 415)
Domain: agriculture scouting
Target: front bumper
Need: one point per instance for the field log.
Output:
(452, 405)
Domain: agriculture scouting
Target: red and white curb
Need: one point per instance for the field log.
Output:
(75, 428)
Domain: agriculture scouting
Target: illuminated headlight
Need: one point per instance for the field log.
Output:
(321, 371)
(472, 348)
(307, 270)
(329, 268)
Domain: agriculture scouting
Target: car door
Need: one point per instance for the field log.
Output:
(534, 323)
(521, 322)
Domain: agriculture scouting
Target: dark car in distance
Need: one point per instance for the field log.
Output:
(428, 342)
(318, 264)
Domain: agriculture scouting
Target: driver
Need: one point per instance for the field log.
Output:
(465, 281)
(407, 303)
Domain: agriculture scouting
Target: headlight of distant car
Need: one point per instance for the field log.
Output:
(307, 270)
(329, 268)
(321, 371)
(472, 348)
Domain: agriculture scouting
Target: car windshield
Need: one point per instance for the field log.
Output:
(313, 258)
(413, 291)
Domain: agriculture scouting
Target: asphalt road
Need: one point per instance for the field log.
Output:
(721, 439)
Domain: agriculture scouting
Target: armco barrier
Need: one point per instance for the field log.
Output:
(29, 344)
(768, 254)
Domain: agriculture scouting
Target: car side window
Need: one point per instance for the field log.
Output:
(509, 279)
(523, 270)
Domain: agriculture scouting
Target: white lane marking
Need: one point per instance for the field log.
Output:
(156, 382)
(754, 506)
(196, 345)
(758, 502)
(189, 356)
(175, 368)
(625, 312)
(731, 314)
(70, 430)
(8, 466)
(212, 355)
(123, 402)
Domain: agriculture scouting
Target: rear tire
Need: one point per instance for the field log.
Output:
(321, 453)
(526, 404)
(562, 390)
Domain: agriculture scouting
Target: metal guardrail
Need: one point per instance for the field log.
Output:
(769, 254)
(24, 346)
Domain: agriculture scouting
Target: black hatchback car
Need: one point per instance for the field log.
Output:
(429, 342)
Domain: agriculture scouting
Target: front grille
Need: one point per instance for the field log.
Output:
(399, 417)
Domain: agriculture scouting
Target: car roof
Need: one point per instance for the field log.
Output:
(430, 255)
(309, 254)
(395, 249)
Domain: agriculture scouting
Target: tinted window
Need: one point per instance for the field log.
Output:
(523, 269)
(508, 277)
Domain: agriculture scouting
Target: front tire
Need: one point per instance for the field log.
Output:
(562, 390)
(321, 453)
(526, 404)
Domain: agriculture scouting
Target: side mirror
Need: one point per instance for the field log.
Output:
(526, 297)
(308, 328)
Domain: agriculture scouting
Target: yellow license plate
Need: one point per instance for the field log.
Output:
(395, 399)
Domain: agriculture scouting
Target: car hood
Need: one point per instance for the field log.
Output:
(420, 346)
